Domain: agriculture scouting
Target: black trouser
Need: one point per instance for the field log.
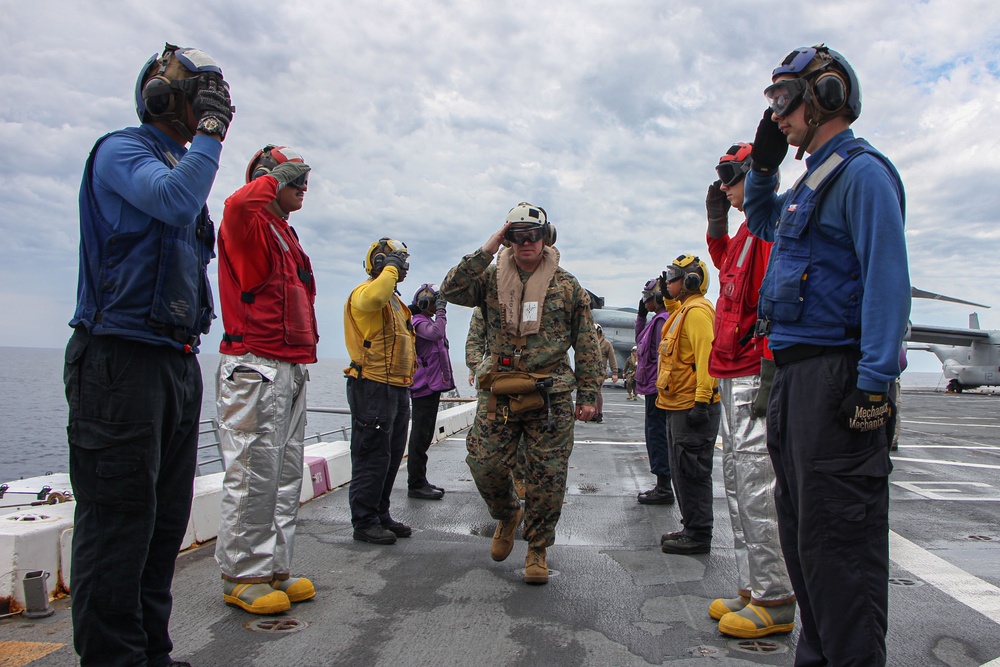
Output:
(133, 439)
(422, 422)
(832, 498)
(691, 451)
(656, 437)
(380, 414)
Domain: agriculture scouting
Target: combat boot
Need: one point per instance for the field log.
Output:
(754, 621)
(536, 571)
(519, 488)
(661, 494)
(503, 538)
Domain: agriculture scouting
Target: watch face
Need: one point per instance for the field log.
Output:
(210, 126)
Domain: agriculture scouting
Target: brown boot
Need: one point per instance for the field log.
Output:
(503, 538)
(536, 571)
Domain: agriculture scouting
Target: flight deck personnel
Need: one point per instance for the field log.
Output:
(630, 365)
(647, 340)
(433, 376)
(764, 603)
(133, 382)
(382, 346)
(534, 312)
(690, 397)
(268, 293)
(836, 300)
(608, 358)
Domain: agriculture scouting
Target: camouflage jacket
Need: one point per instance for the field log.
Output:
(566, 322)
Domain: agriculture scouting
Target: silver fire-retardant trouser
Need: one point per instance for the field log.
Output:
(749, 479)
(262, 420)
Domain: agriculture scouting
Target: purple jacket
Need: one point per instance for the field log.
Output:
(433, 364)
(647, 342)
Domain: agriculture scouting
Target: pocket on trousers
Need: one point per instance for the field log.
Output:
(109, 462)
(695, 458)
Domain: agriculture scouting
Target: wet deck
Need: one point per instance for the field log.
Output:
(614, 598)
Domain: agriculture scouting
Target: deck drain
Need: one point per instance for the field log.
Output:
(901, 581)
(703, 650)
(276, 626)
(587, 488)
(758, 646)
(980, 538)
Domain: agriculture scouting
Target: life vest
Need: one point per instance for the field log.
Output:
(276, 319)
(151, 285)
(806, 262)
(677, 378)
(389, 356)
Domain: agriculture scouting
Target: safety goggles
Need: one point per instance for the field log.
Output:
(732, 172)
(785, 96)
(301, 182)
(522, 236)
(674, 273)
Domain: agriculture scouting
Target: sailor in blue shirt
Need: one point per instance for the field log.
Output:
(133, 383)
(834, 303)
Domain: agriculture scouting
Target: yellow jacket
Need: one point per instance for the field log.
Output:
(378, 332)
(682, 376)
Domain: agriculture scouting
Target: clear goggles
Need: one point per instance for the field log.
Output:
(524, 235)
(785, 96)
(674, 273)
(732, 172)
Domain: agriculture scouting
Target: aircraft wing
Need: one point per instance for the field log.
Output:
(922, 333)
(918, 293)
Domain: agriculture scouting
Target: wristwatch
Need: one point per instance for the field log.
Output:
(211, 125)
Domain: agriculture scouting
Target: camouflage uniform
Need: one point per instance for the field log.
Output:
(566, 322)
(630, 367)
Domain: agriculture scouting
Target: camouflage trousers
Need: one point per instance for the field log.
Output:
(493, 449)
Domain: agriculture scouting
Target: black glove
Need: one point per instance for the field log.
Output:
(212, 105)
(864, 411)
(286, 172)
(717, 204)
(698, 415)
(759, 408)
(440, 303)
(642, 309)
(769, 145)
(397, 258)
(663, 285)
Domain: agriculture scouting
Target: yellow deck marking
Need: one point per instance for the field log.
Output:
(18, 654)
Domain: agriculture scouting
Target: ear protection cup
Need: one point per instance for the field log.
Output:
(830, 91)
(259, 171)
(549, 232)
(692, 282)
(158, 96)
(377, 256)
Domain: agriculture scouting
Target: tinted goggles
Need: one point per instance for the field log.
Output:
(522, 236)
(785, 96)
(732, 172)
(301, 182)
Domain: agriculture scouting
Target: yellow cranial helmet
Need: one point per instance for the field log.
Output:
(377, 252)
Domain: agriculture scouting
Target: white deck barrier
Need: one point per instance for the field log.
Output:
(40, 537)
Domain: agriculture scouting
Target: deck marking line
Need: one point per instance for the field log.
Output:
(948, 463)
(907, 421)
(953, 581)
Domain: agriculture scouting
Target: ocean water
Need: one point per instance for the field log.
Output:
(33, 406)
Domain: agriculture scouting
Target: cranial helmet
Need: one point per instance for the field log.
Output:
(599, 329)
(734, 165)
(693, 272)
(424, 297)
(167, 81)
(269, 157)
(833, 85)
(651, 290)
(529, 216)
(377, 252)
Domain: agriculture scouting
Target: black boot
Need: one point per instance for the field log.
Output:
(660, 495)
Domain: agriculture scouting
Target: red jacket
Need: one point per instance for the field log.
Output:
(275, 316)
(742, 261)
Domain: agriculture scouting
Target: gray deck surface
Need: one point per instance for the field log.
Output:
(614, 598)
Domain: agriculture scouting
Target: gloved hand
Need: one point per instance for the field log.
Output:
(759, 407)
(212, 105)
(663, 285)
(717, 204)
(642, 309)
(698, 415)
(864, 411)
(440, 303)
(769, 145)
(286, 172)
(397, 258)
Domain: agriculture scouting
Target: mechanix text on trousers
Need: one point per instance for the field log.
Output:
(832, 498)
(691, 451)
(133, 445)
(380, 415)
(493, 447)
(262, 420)
(424, 413)
(749, 480)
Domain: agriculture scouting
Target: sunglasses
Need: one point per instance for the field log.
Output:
(732, 172)
(522, 236)
(785, 96)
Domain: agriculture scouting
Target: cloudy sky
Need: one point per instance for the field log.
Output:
(426, 121)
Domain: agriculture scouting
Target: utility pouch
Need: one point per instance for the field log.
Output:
(521, 389)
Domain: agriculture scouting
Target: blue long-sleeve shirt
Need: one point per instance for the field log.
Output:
(863, 209)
